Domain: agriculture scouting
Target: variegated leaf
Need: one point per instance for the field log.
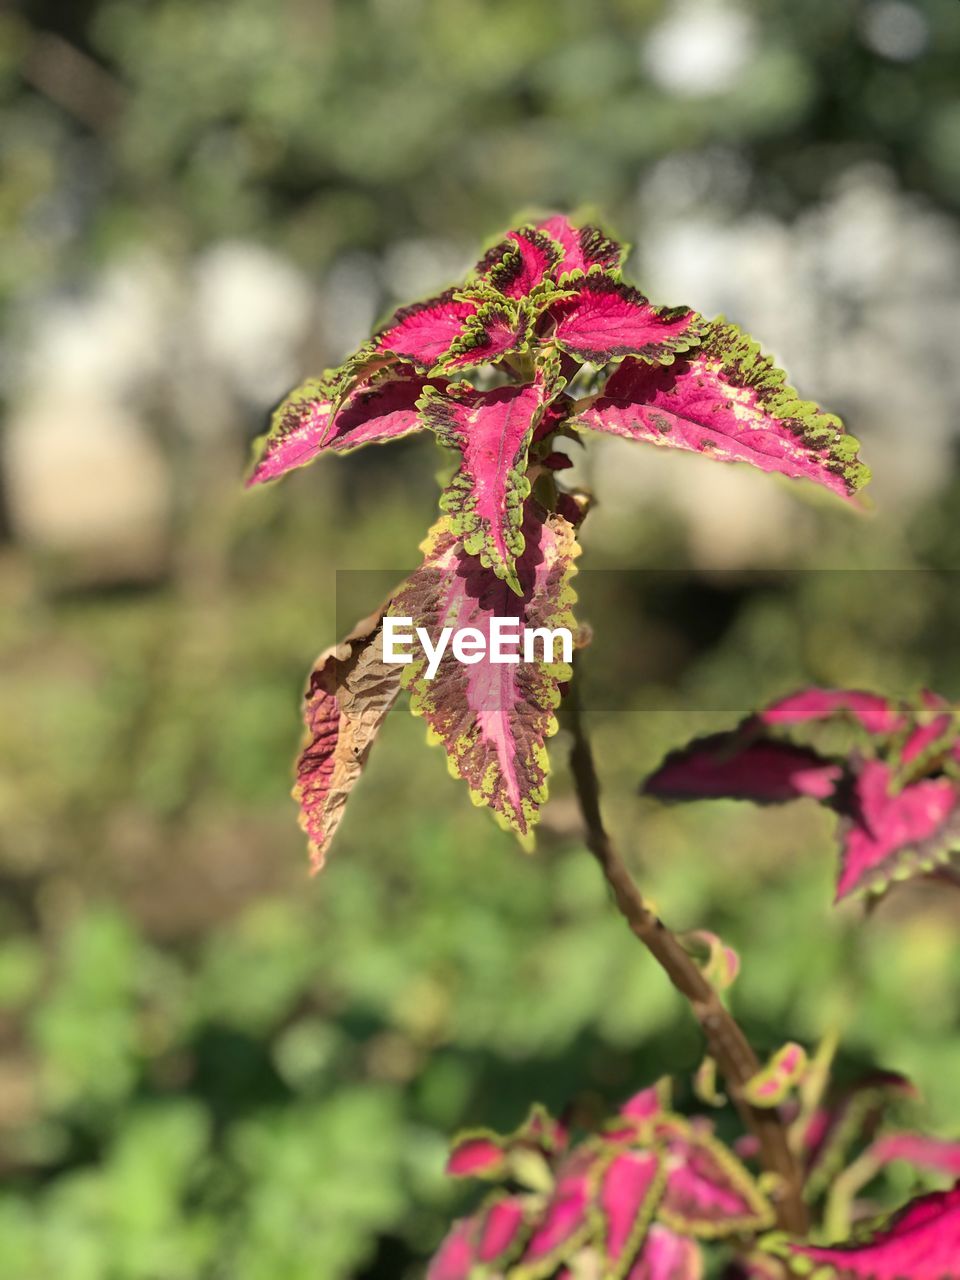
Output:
(708, 1193)
(583, 247)
(492, 431)
(494, 719)
(309, 422)
(520, 263)
(667, 1256)
(350, 691)
(772, 1084)
(920, 1242)
(628, 1190)
(889, 835)
(602, 319)
(423, 333)
(728, 401)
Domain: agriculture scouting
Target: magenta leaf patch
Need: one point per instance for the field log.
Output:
(936, 1155)
(424, 332)
(667, 1256)
(492, 431)
(349, 693)
(605, 319)
(921, 1242)
(889, 835)
(455, 1258)
(521, 262)
(497, 329)
(308, 422)
(895, 786)
(629, 1188)
(772, 1084)
(493, 719)
(876, 714)
(501, 1230)
(709, 1193)
(728, 401)
(582, 248)
(564, 1225)
(766, 772)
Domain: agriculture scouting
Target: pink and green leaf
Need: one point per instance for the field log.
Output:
(422, 334)
(667, 1256)
(493, 719)
(629, 1188)
(720, 963)
(455, 1258)
(708, 1192)
(563, 1227)
(350, 691)
(492, 431)
(889, 835)
(583, 247)
(920, 1242)
(496, 330)
(603, 319)
(501, 1230)
(728, 401)
(878, 715)
(773, 1083)
(309, 422)
(934, 1155)
(520, 263)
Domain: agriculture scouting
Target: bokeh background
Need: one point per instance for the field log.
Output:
(211, 1067)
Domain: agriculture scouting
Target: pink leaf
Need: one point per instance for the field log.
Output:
(938, 1155)
(722, 766)
(477, 1156)
(349, 693)
(563, 1227)
(306, 425)
(424, 332)
(709, 1192)
(773, 1083)
(629, 1189)
(495, 331)
(520, 262)
(921, 1242)
(891, 835)
(493, 720)
(720, 963)
(583, 247)
(455, 1258)
(605, 319)
(500, 1231)
(877, 715)
(492, 430)
(666, 1256)
(728, 401)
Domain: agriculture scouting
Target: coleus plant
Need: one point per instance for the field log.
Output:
(542, 341)
(890, 770)
(655, 1195)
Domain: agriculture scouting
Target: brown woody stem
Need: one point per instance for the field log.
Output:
(726, 1042)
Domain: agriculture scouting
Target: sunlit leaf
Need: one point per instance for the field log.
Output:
(774, 1081)
(494, 719)
(725, 400)
(350, 691)
(920, 1242)
(605, 319)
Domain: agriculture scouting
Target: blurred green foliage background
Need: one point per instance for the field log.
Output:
(211, 1067)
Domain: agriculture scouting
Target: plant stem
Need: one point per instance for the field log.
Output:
(725, 1040)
